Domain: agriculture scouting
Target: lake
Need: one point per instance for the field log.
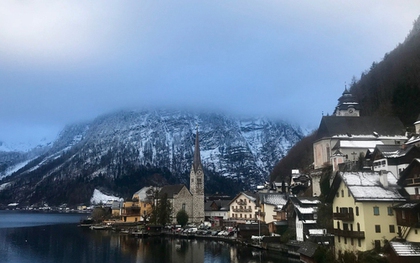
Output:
(55, 237)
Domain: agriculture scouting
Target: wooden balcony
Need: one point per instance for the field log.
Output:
(348, 233)
(412, 181)
(343, 216)
(243, 210)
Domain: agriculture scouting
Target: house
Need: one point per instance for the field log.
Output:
(301, 215)
(408, 214)
(363, 214)
(270, 203)
(393, 158)
(244, 208)
(216, 211)
(346, 135)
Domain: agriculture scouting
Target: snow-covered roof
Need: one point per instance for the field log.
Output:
(145, 192)
(369, 144)
(406, 249)
(366, 186)
(306, 210)
(276, 199)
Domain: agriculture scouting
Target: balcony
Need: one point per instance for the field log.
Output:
(241, 202)
(348, 233)
(343, 216)
(412, 181)
(244, 210)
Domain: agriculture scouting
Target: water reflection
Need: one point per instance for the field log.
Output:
(68, 243)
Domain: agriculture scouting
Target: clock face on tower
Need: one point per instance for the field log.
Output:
(350, 110)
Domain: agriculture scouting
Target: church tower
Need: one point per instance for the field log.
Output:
(347, 105)
(197, 184)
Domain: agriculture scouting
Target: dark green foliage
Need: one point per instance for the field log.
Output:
(161, 213)
(182, 217)
(392, 86)
(300, 156)
(324, 255)
(100, 214)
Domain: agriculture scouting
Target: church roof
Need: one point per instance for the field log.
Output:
(171, 190)
(346, 101)
(369, 127)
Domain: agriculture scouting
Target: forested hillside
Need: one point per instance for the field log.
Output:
(390, 87)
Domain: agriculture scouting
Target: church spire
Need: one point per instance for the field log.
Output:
(197, 158)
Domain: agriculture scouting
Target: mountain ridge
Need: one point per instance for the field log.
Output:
(152, 147)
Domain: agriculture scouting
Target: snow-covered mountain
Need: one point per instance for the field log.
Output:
(129, 149)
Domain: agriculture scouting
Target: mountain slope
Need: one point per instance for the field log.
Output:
(124, 151)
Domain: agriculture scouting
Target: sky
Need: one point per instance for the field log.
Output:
(63, 62)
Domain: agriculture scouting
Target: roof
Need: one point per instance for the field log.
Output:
(307, 248)
(370, 127)
(393, 151)
(276, 199)
(146, 192)
(366, 186)
(223, 205)
(171, 190)
(406, 249)
(364, 144)
(250, 196)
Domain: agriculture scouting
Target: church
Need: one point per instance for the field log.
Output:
(192, 200)
(346, 135)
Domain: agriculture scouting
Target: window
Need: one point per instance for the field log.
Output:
(183, 206)
(358, 227)
(377, 228)
(351, 241)
(416, 190)
(348, 193)
(415, 231)
(338, 195)
(391, 229)
(390, 211)
(338, 224)
(376, 210)
(403, 214)
(345, 240)
(359, 242)
(342, 193)
(357, 210)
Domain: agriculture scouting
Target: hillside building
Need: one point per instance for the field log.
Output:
(346, 136)
(363, 214)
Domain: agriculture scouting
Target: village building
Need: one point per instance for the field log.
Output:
(216, 211)
(243, 208)
(393, 158)
(408, 214)
(346, 136)
(301, 215)
(363, 214)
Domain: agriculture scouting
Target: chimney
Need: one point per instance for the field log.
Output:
(383, 178)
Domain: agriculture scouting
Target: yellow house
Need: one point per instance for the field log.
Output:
(139, 208)
(363, 214)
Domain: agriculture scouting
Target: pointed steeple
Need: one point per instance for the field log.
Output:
(197, 158)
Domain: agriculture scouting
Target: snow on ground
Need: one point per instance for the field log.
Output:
(98, 197)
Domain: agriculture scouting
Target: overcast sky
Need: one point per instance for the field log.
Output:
(66, 61)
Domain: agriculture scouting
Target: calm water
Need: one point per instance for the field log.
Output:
(42, 238)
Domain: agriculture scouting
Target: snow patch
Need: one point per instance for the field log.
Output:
(100, 198)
